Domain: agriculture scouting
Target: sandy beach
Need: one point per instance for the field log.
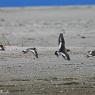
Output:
(23, 74)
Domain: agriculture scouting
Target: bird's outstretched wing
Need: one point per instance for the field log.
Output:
(36, 54)
(61, 42)
(33, 50)
(61, 39)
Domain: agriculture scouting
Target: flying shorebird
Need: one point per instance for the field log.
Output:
(62, 50)
(91, 53)
(33, 50)
(2, 48)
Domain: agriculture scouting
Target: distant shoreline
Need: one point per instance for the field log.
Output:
(49, 7)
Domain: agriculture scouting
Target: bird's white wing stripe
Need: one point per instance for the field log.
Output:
(63, 54)
(60, 45)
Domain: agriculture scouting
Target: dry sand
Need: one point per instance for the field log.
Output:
(40, 27)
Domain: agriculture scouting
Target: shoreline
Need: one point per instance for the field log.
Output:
(48, 7)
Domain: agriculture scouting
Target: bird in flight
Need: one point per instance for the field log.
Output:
(62, 50)
(2, 48)
(33, 50)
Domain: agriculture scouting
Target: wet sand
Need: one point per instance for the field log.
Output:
(23, 74)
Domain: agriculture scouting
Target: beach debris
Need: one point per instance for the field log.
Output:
(62, 50)
(33, 50)
(2, 48)
(91, 53)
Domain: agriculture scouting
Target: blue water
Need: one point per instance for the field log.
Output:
(14, 3)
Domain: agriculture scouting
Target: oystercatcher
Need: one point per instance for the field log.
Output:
(91, 53)
(33, 50)
(62, 50)
(2, 48)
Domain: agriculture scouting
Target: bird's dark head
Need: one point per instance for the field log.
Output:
(34, 49)
(24, 51)
(90, 52)
(56, 53)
